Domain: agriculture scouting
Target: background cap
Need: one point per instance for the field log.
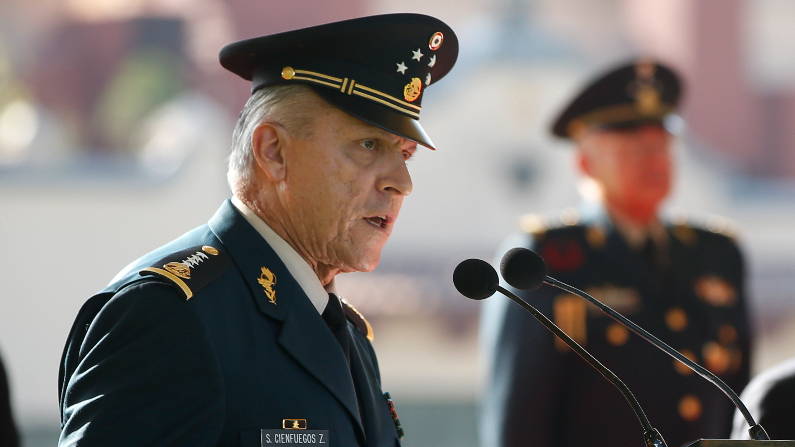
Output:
(641, 92)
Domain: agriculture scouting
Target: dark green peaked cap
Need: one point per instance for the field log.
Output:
(375, 68)
(639, 92)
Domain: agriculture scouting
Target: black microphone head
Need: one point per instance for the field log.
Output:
(474, 277)
(523, 269)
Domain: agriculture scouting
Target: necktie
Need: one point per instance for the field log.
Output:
(656, 256)
(649, 252)
(334, 317)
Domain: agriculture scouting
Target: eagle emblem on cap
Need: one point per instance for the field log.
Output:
(412, 90)
(267, 280)
(644, 89)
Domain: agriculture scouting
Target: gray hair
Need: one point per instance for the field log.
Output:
(284, 104)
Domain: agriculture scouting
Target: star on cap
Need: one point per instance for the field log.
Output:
(417, 54)
(428, 79)
(402, 68)
(433, 61)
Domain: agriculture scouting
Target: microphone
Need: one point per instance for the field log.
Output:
(477, 279)
(524, 269)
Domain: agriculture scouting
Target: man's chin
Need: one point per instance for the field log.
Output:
(369, 265)
(362, 263)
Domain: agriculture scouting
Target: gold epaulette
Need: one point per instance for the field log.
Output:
(190, 269)
(687, 231)
(357, 318)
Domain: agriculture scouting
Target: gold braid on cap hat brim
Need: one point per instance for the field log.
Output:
(349, 86)
(614, 114)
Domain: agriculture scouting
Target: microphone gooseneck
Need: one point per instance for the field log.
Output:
(477, 279)
(519, 259)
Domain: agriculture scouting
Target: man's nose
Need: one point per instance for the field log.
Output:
(396, 178)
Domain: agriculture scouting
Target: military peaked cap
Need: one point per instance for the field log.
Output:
(374, 68)
(634, 94)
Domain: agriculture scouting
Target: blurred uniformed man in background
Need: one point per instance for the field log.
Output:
(233, 334)
(682, 283)
(8, 431)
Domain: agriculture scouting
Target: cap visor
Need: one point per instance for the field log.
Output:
(377, 115)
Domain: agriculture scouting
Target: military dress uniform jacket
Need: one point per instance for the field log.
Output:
(541, 393)
(144, 366)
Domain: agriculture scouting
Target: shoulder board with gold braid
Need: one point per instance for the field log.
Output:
(190, 269)
(357, 318)
(688, 232)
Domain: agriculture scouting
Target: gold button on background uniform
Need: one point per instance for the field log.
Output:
(676, 319)
(617, 335)
(680, 367)
(716, 357)
(690, 407)
(727, 334)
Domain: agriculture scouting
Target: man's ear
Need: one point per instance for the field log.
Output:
(583, 162)
(268, 143)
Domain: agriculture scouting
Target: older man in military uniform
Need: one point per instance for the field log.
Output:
(233, 333)
(682, 283)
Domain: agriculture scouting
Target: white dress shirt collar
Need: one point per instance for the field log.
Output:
(636, 234)
(296, 265)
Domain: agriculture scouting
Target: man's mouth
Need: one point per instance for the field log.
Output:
(378, 221)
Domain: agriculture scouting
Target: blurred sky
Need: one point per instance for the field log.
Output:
(115, 120)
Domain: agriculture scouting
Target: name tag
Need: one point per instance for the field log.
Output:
(293, 437)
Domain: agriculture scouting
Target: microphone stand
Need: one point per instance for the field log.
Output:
(652, 437)
(755, 431)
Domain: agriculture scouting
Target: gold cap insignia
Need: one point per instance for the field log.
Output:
(267, 280)
(294, 424)
(178, 269)
(288, 73)
(645, 90)
(412, 90)
(436, 41)
(210, 250)
(647, 100)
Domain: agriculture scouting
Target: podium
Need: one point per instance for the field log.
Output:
(739, 443)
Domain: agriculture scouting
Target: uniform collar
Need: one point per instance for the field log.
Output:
(637, 235)
(634, 235)
(296, 265)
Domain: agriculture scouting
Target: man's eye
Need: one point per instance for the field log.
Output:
(369, 144)
(408, 156)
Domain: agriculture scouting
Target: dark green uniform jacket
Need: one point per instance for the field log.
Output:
(541, 393)
(144, 366)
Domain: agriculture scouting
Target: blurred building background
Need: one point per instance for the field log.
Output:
(115, 119)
